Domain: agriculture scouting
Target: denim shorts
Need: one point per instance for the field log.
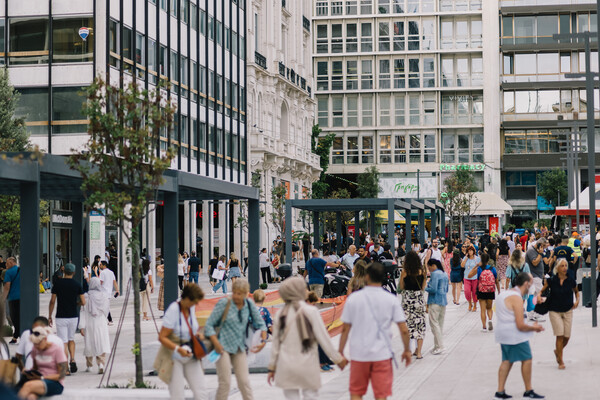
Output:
(53, 388)
(516, 352)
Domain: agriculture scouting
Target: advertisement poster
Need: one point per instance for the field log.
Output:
(408, 188)
(97, 234)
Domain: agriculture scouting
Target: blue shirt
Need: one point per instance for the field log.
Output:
(316, 271)
(437, 288)
(14, 277)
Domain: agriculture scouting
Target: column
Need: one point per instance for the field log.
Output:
(422, 226)
(357, 228)
(408, 223)
(372, 224)
(171, 250)
(390, 225)
(443, 222)
(433, 215)
(316, 231)
(29, 260)
(222, 228)
(187, 237)
(238, 233)
(253, 243)
(206, 245)
(338, 232)
(77, 240)
(288, 232)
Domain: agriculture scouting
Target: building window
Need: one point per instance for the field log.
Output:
(414, 109)
(322, 39)
(428, 34)
(67, 45)
(323, 110)
(384, 74)
(352, 110)
(384, 36)
(351, 75)
(399, 74)
(337, 111)
(351, 7)
(366, 37)
(521, 185)
(414, 76)
(384, 110)
(461, 33)
(366, 78)
(351, 38)
(400, 148)
(367, 149)
(429, 148)
(462, 108)
(28, 41)
(67, 103)
(337, 7)
(383, 7)
(337, 75)
(352, 150)
(337, 43)
(399, 109)
(415, 148)
(322, 75)
(322, 8)
(413, 35)
(399, 36)
(33, 107)
(366, 7)
(337, 150)
(152, 61)
(462, 145)
(428, 72)
(385, 148)
(367, 110)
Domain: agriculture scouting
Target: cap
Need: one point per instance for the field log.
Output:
(69, 268)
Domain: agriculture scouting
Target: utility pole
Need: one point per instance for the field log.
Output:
(589, 85)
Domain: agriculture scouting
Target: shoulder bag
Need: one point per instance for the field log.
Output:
(198, 348)
(206, 341)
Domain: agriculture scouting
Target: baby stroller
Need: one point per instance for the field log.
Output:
(391, 274)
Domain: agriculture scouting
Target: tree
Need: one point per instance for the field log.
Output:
(368, 183)
(552, 187)
(13, 138)
(330, 217)
(459, 197)
(121, 167)
(321, 146)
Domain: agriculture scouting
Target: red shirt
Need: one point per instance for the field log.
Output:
(524, 239)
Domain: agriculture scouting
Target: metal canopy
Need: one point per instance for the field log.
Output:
(47, 176)
(356, 205)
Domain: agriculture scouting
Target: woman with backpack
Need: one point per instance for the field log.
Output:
(516, 265)
(487, 279)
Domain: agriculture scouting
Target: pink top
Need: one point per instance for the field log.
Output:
(47, 360)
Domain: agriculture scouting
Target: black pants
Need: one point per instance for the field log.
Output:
(14, 308)
(180, 282)
(323, 359)
(109, 317)
(266, 275)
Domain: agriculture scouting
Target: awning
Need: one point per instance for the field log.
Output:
(399, 218)
(584, 203)
(491, 204)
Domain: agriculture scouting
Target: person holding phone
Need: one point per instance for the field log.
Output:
(109, 281)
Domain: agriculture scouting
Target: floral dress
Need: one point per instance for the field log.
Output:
(413, 304)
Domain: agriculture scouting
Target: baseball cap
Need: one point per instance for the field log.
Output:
(69, 268)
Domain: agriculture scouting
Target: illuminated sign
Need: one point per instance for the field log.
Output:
(462, 167)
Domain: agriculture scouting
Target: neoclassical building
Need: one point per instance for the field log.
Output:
(280, 102)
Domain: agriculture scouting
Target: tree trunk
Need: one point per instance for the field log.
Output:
(135, 283)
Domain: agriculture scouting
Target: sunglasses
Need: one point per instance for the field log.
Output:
(37, 334)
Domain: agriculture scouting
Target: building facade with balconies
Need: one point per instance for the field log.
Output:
(409, 86)
(540, 106)
(280, 103)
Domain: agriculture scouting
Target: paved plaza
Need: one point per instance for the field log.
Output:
(466, 371)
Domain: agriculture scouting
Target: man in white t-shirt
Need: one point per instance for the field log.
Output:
(368, 316)
(350, 257)
(108, 281)
(25, 345)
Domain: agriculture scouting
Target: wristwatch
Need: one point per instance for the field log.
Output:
(263, 341)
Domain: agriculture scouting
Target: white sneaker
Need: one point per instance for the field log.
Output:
(88, 369)
(101, 369)
(490, 326)
(437, 352)
(484, 330)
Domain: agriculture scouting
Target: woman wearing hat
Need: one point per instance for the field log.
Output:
(297, 331)
(49, 367)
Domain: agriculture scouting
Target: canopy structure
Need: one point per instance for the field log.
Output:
(398, 217)
(491, 204)
(389, 205)
(45, 176)
(584, 203)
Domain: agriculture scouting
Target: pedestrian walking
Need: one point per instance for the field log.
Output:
(233, 315)
(502, 257)
(222, 282)
(412, 286)
(233, 266)
(265, 266)
(513, 334)
(160, 274)
(93, 326)
(367, 317)
(49, 367)
(456, 276)
(68, 293)
(315, 269)
(437, 289)
(560, 305)
(12, 293)
(359, 277)
(194, 267)
(259, 299)
(109, 282)
(146, 285)
(487, 278)
(180, 270)
(516, 265)
(470, 262)
(297, 331)
(175, 362)
(533, 258)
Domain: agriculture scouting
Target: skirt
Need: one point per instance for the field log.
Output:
(501, 265)
(234, 272)
(456, 275)
(413, 303)
(486, 295)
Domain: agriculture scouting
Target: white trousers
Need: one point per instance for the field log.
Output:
(295, 394)
(193, 374)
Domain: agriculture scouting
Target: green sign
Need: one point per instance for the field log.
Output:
(462, 167)
(95, 230)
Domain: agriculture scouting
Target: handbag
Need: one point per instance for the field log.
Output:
(252, 335)
(206, 341)
(8, 371)
(218, 274)
(198, 348)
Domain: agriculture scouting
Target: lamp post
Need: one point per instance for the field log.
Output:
(589, 84)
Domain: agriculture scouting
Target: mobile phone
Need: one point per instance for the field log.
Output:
(116, 295)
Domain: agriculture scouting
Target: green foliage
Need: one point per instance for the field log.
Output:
(13, 134)
(319, 189)
(540, 222)
(551, 184)
(278, 208)
(368, 183)
(459, 197)
(321, 146)
(508, 227)
(120, 167)
(330, 218)
(263, 286)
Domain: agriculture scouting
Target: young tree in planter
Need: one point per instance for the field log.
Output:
(122, 168)
(459, 199)
(368, 183)
(552, 187)
(321, 146)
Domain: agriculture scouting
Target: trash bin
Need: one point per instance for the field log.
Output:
(586, 290)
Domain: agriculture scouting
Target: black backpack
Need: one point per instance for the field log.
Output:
(143, 284)
(513, 280)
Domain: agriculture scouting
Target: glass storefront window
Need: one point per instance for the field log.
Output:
(67, 45)
(28, 41)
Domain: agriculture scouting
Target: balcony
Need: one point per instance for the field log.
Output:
(260, 60)
(306, 23)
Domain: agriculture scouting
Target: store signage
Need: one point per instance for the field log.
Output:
(408, 188)
(462, 167)
(62, 219)
(84, 33)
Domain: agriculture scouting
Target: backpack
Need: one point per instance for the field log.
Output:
(513, 280)
(487, 282)
(143, 283)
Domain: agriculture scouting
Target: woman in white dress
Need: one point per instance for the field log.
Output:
(94, 327)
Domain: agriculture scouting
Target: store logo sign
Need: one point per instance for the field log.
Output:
(406, 188)
(462, 167)
(84, 33)
(62, 219)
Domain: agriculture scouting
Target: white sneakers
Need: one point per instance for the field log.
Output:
(436, 352)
